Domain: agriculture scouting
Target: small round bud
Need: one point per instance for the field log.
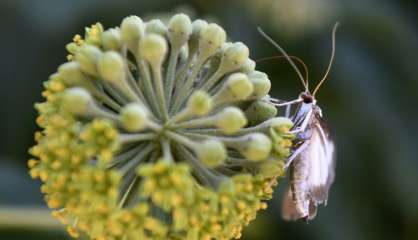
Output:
(261, 84)
(111, 67)
(231, 120)
(281, 124)
(271, 168)
(72, 47)
(179, 30)
(87, 56)
(211, 40)
(211, 152)
(234, 56)
(238, 87)
(134, 117)
(257, 146)
(153, 48)
(156, 26)
(111, 39)
(71, 74)
(132, 29)
(248, 67)
(197, 26)
(200, 103)
(260, 111)
(76, 100)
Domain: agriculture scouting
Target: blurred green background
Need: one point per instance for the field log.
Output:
(370, 100)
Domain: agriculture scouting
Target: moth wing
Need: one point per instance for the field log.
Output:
(321, 151)
(289, 212)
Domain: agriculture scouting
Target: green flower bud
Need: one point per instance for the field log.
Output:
(72, 47)
(153, 48)
(93, 34)
(211, 152)
(261, 84)
(76, 100)
(271, 168)
(71, 74)
(260, 111)
(87, 56)
(237, 87)
(179, 30)
(111, 67)
(256, 146)
(281, 124)
(134, 117)
(156, 26)
(211, 40)
(200, 103)
(111, 39)
(197, 26)
(230, 120)
(132, 29)
(234, 56)
(248, 67)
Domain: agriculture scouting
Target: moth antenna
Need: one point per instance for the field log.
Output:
(334, 31)
(277, 46)
(294, 58)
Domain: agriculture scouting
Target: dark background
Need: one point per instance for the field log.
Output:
(370, 99)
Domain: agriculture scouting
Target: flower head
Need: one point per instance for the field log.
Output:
(155, 131)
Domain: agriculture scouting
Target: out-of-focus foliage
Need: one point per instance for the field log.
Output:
(370, 100)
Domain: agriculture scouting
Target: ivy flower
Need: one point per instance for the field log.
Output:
(158, 131)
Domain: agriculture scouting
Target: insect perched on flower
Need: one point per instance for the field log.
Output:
(158, 130)
(312, 159)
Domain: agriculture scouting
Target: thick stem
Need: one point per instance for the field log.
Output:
(156, 69)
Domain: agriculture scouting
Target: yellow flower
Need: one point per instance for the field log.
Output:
(145, 134)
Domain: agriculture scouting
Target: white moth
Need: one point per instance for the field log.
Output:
(312, 160)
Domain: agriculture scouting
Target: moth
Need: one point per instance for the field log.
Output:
(312, 159)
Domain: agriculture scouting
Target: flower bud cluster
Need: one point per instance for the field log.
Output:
(155, 131)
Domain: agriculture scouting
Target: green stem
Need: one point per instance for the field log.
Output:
(160, 91)
(28, 218)
(171, 70)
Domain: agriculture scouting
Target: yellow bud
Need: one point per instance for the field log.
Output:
(200, 103)
(153, 48)
(211, 40)
(256, 146)
(211, 152)
(234, 56)
(32, 163)
(111, 39)
(132, 29)
(87, 56)
(73, 232)
(179, 30)
(76, 100)
(261, 84)
(71, 74)
(197, 27)
(156, 26)
(237, 87)
(134, 117)
(230, 120)
(111, 67)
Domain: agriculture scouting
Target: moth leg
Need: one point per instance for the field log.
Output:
(292, 157)
(280, 103)
(287, 112)
(304, 124)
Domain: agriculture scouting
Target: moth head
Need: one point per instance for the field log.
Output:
(307, 98)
